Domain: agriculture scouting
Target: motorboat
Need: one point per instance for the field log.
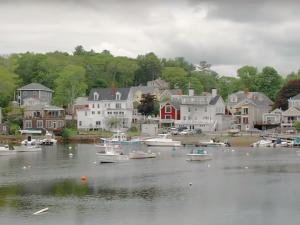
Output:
(162, 140)
(198, 155)
(48, 140)
(32, 137)
(263, 143)
(27, 148)
(4, 150)
(109, 154)
(141, 155)
(213, 143)
(121, 138)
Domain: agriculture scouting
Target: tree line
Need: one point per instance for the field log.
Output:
(73, 75)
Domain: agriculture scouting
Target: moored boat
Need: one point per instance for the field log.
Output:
(141, 155)
(121, 138)
(28, 148)
(213, 143)
(108, 154)
(162, 141)
(198, 155)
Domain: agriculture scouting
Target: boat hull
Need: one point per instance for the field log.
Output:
(197, 157)
(107, 158)
(141, 155)
(162, 144)
(27, 149)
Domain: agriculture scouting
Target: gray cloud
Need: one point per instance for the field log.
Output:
(228, 34)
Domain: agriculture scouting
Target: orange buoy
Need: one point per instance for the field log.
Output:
(83, 178)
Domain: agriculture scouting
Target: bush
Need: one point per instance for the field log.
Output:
(67, 133)
(14, 128)
(297, 125)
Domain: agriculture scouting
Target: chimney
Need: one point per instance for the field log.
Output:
(214, 92)
(191, 92)
(113, 89)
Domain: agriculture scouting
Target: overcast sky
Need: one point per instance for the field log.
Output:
(226, 33)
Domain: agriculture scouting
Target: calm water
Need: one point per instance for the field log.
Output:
(244, 186)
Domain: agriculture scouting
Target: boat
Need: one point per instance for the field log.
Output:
(198, 155)
(141, 155)
(48, 140)
(121, 138)
(162, 140)
(4, 150)
(27, 148)
(263, 143)
(109, 154)
(213, 143)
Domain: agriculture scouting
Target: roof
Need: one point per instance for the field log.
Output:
(43, 107)
(297, 97)
(107, 93)
(34, 86)
(144, 89)
(214, 100)
(257, 98)
(292, 111)
(81, 101)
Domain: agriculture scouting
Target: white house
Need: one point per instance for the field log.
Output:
(200, 112)
(292, 114)
(108, 109)
(273, 117)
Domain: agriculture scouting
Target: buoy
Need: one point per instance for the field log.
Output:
(24, 168)
(70, 154)
(208, 165)
(41, 211)
(95, 162)
(190, 184)
(246, 167)
(83, 178)
(70, 147)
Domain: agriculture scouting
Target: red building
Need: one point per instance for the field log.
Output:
(168, 114)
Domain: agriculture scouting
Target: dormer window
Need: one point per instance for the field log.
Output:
(96, 96)
(118, 96)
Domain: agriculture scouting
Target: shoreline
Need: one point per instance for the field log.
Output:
(235, 141)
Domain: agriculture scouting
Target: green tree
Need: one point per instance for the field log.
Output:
(249, 77)
(7, 86)
(176, 76)
(228, 85)
(297, 125)
(149, 68)
(269, 82)
(70, 84)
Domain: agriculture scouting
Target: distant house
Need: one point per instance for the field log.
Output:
(248, 109)
(34, 91)
(289, 116)
(42, 116)
(108, 109)
(203, 112)
(273, 117)
(158, 83)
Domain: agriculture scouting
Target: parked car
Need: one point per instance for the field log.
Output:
(186, 132)
(181, 129)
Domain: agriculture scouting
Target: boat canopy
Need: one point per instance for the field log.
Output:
(30, 131)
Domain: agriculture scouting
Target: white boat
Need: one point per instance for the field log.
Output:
(108, 154)
(198, 155)
(4, 150)
(48, 140)
(162, 140)
(213, 143)
(31, 138)
(28, 148)
(141, 155)
(263, 143)
(121, 138)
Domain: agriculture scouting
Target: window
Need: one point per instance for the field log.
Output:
(189, 109)
(80, 123)
(49, 124)
(93, 112)
(168, 117)
(98, 106)
(28, 124)
(245, 120)
(39, 124)
(205, 109)
(118, 96)
(168, 109)
(96, 96)
(118, 105)
(93, 105)
(60, 123)
(98, 123)
(115, 113)
(98, 112)
(184, 118)
(245, 111)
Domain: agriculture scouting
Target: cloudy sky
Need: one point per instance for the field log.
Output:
(226, 33)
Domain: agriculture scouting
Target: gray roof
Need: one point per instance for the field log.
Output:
(107, 93)
(43, 107)
(144, 89)
(297, 97)
(256, 98)
(214, 100)
(34, 86)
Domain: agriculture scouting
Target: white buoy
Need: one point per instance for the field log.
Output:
(95, 162)
(208, 165)
(24, 168)
(232, 150)
(246, 167)
(70, 154)
(190, 183)
(70, 147)
(41, 211)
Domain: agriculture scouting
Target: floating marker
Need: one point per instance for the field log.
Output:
(246, 167)
(208, 165)
(24, 168)
(70, 147)
(41, 211)
(190, 184)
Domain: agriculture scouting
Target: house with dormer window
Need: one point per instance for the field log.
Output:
(107, 109)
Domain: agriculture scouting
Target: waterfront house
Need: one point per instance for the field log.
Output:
(34, 91)
(273, 118)
(169, 112)
(203, 112)
(43, 116)
(108, 109)
(248, 109)
(289, 116)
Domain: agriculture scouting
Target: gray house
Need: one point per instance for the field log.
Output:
(36, 92)
(248, 109)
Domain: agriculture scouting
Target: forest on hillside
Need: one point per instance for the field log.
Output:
(73, 75)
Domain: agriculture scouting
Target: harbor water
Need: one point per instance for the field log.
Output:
(238, 186)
